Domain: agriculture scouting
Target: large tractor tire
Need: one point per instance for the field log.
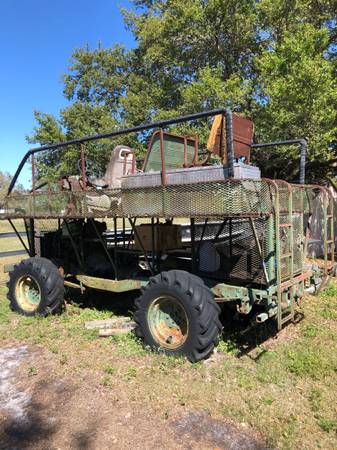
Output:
(35, 287)
(176, 314)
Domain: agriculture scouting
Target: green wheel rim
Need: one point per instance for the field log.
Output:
(28, 293)
(168, 322)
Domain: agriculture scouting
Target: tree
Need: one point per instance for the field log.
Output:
(272, 60)
(5, 180)
(299, 98)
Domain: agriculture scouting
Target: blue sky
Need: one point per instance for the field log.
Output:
(37, 38)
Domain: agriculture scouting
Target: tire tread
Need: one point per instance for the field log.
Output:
(207, 323)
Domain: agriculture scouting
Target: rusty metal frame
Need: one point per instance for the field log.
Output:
(131, 237)
(83, 167)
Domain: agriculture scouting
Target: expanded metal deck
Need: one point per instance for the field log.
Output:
(230, 197)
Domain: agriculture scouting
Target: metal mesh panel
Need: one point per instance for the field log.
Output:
(234, 241)
(228, 198)
(301, 199)
(285, 244)
(61, 204)
(284, 192)
(249, 265)
(298, 242)
(46, 225)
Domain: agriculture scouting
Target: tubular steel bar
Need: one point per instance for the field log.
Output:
(193, 255)
(73, 244)
(303, 151)
(162, 157)
(153, 244)
(112, 262)
(229, 142)
(143, 127)
(83, 168)
(185, 152)
(33, 174)
(30, 229)
(202, 236)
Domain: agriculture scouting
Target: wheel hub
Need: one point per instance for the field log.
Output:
(28, 293)
(168, 322)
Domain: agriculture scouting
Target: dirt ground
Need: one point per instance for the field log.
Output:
(39, 410)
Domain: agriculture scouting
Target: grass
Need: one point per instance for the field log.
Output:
(284, 387)
(9, 244)
(5, 227)
(12, 243)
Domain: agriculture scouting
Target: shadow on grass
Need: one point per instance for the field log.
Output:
(245, 335)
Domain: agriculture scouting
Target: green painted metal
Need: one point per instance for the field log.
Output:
(174, 152)
(270, 253)
(290, 259)
(278, 254)
(105, 284)
(229, 292)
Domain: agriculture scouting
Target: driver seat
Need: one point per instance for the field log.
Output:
(122, 162)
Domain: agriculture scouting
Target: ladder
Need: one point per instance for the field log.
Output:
(285, 256)
(328, 236)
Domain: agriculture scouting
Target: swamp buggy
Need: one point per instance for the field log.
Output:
(193, 227)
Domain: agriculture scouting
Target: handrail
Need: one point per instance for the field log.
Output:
(303, 151)
(164, 123)
(143, 127)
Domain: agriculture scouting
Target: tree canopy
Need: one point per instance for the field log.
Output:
(271, 60)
